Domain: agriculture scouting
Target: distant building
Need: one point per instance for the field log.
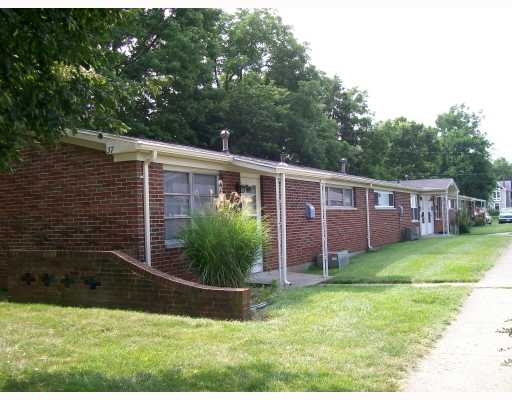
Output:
(502, 196)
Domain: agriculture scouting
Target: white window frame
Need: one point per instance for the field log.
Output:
(384, 193)
(176, 243)
(344, 188)
(417, 203)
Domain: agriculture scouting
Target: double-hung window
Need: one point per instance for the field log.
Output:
(339, 197)
(185, 193)
(384, 199)
(415, 212)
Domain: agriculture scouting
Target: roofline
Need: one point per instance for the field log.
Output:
(125, 148)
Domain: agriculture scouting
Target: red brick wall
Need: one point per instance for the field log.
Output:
(386, 224)
(304, 237)
(73, 198)
(346, 229)
(230, 181)
(115, 280)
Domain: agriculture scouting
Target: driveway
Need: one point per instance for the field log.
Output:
(475, 352)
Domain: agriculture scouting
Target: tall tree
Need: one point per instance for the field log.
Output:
(502, 169)
(49, 76)
(465, 151)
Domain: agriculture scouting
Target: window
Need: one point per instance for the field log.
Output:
(415, 212)
(340, 197)
(185, 192)
(452, 203)
(384, 199)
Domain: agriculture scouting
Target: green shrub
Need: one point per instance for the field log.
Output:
(463, 221)
(223, 245)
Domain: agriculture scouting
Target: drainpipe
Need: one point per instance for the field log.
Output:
(368, 229)
(147, 215)
(323, 223)
(447, 214)
(456, 212)
(283, 228)
(278, 224)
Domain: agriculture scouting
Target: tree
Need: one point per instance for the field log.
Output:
(49, 76)
(465, 152)
(502, 169)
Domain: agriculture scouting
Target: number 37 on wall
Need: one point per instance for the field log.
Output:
(110, 149)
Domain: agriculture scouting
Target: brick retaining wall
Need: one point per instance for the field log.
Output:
(113, 279)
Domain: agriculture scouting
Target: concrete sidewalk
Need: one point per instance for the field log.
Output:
(473, 355)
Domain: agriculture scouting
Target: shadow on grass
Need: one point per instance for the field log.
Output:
(254, 376)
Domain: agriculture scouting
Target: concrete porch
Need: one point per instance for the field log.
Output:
(297, 279)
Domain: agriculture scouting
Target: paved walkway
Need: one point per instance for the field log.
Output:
(473, 355)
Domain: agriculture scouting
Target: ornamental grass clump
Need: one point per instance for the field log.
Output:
(223, 244)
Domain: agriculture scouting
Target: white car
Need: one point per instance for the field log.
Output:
(505, 216)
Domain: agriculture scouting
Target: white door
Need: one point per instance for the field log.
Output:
(251, 205)
(426, 215)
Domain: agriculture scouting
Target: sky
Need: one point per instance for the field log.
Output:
(417, 62)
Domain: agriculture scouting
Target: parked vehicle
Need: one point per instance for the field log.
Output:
(505, 216)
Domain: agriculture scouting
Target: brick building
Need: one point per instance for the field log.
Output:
(101, 192)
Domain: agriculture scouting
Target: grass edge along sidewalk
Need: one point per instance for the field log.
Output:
(463, 258)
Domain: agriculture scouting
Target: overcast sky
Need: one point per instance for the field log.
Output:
(417, 62)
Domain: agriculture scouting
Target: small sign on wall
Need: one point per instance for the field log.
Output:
(310, 211)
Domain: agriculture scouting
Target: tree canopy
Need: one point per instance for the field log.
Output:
(182, 75)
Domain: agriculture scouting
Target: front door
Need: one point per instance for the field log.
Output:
(251, 205)
(426, 215)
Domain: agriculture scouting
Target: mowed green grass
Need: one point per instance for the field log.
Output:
(331, 338)
(495, 227)
(462, 258)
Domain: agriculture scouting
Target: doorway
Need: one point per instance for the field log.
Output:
(251, 205)
(426, 215)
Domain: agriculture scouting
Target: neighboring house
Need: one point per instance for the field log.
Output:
(502, 196)
(100, 192)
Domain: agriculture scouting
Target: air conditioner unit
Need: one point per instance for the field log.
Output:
(410, 233)
(335, 259)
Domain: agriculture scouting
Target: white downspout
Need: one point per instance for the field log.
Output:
(147, 216)
(368, 230)
(447, 214)
(323, 223)
(283, 228)
(278, 223)
(456, 212)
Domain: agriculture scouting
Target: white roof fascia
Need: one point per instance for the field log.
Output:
(125, 148)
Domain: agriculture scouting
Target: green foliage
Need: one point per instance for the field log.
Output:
(223, 245)
(465, 152)
(182, 75)
(463, 221)
(502, 169)
(50, 78)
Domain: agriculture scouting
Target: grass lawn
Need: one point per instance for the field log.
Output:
(331, 338)
(462, 258)
(495, 227)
